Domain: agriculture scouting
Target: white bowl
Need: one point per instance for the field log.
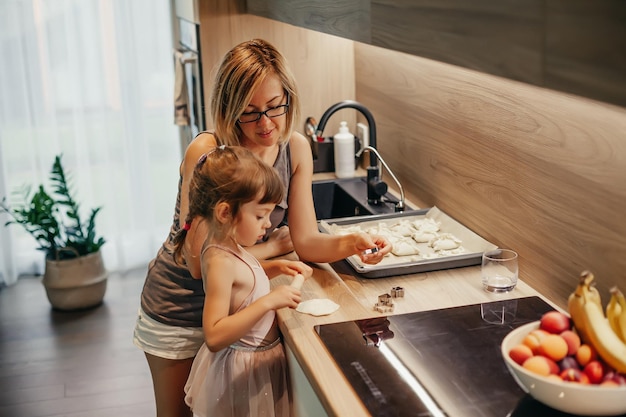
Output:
(587, 400)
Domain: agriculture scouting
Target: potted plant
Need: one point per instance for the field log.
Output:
(75, 277)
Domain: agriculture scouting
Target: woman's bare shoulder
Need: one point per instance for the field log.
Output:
(201, 144)
(301, 156)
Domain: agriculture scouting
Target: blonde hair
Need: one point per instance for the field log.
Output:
(242, 70)
(230, 174)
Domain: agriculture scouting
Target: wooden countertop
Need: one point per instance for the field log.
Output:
(356, 297)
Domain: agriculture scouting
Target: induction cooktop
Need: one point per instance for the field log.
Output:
(436, 363)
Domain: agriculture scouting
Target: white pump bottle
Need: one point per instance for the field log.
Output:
(344, 152)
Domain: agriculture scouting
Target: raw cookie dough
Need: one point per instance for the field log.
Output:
(404, 248)
(318, 307)
(445, 241)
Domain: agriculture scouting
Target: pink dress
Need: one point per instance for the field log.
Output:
(245, 379)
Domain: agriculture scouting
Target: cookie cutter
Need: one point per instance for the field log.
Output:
(397, 292)
(370, 250)
(384, 304)
(383, 308)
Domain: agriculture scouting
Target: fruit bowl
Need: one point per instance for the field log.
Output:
(569, 397)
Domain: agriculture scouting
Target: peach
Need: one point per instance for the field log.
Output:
(573, 341)
(555, 377)
(541, 365)
(533, 339)
(585, 354)
(554, 347)
(555, 322)
(520, 353)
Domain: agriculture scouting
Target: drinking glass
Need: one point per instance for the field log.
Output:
(499, 270)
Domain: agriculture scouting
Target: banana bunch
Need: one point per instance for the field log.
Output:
(585, 308)
(616, 313)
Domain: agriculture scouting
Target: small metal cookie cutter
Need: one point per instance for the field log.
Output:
(397, 292)
(370, 250)
(384, 304)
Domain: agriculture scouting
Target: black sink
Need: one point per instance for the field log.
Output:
(347, 197)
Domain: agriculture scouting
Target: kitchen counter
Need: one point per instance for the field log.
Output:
(357, 296)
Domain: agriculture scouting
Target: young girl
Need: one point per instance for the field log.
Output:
(241, 369)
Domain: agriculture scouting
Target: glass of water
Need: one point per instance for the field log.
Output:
(499, 270)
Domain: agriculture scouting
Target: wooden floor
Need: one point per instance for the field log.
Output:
(72, 364)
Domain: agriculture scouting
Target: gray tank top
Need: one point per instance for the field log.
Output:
(170, 294)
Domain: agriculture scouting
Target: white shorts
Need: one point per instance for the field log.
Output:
(165, 341)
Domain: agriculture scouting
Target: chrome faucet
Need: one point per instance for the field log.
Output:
(376, 188)
(400, 205)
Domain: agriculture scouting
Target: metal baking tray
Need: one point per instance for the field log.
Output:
(392, 265)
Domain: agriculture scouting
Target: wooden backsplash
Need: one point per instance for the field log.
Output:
(527, 168)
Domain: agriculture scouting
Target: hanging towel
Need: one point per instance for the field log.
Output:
(181, 97)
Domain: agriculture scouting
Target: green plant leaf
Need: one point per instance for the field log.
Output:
(54, 223)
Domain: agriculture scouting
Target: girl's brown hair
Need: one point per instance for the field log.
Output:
(230, 174)
(242, 70)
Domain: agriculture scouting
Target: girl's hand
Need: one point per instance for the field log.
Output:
(283, 296)
(363, 242)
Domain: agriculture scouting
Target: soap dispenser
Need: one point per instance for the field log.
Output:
(344, 152)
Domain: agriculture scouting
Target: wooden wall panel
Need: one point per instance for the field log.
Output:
(585, 48)
(349, 19)
(577, 46)
(323, 65)
(497, 37)
(528, 168)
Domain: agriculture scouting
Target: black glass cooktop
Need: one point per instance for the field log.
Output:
(436, 363)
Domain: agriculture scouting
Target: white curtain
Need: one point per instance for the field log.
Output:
(92, 80)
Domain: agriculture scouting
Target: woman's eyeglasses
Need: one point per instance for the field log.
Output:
(254, 116)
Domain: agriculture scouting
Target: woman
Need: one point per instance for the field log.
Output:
(254, 104)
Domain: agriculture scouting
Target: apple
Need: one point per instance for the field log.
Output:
(555, 322)
(574, 375)
(595, 371)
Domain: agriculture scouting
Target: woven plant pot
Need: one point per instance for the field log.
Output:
(78, 283)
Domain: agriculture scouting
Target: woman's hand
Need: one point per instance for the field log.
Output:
(280, 239)
(278, 243)
(363, 242)
(277, 267)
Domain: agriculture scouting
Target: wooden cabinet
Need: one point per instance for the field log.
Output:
(575, 46)
(349, 19)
